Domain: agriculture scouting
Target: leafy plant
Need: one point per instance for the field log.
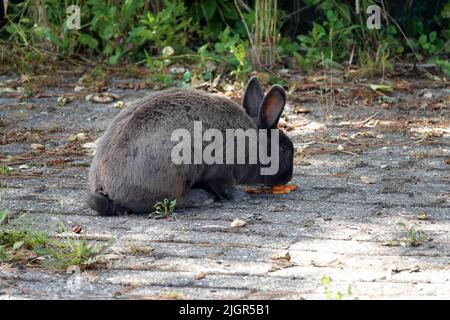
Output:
(340, 32)
(77, 252)
(428, 42)
(375, 63)
(444, 66)
(228, 33)
(233, 51)
(414, 237)
(331, 38)
(113, 28)
(3, 254)
(216, 15)
(164, 209)
(168, 27)
(187, 76)
(4, 170)
(36, 247)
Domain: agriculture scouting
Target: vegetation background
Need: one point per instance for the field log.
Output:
(224, 37)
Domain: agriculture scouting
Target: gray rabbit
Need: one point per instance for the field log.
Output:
(133, 169)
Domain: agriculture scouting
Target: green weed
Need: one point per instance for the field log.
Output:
(164, 209)
(4, 170)
(414, 237)
(35, 248)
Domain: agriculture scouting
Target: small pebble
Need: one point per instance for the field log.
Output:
(238, 223)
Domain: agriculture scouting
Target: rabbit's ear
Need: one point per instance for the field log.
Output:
(253, 97)
(271, 108)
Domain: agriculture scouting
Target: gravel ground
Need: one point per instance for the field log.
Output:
(361, 168)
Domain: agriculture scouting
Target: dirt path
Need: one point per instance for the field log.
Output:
(360, 171)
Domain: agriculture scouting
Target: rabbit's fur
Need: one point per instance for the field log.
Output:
(132, 168)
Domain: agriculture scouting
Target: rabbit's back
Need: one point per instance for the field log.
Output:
(178, 108)
(133, 162)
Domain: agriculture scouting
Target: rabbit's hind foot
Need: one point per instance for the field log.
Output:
(195, 198)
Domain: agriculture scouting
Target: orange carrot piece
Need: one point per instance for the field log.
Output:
(292, 187)
(281, 191)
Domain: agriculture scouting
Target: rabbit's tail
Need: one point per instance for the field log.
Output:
(104, 206)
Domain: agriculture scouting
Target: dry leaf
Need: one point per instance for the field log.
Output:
(77, 229)
(367, 180)
(104, 97)
(282, 256)
(78, 137)
(410, 270)
(238, 223)
(37, 146)
(61, 101)
(422, 216)
(301, 110)
(381, 87)
(119, 104)
(200, 276)
(89, 145)
(79, 88)
(9, 90)
(428, 95)
(228, 87)
(363, 134)
(110, 256)
(403, 85)
(424, 132)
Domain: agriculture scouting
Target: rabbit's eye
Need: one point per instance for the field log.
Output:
(283, 148)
